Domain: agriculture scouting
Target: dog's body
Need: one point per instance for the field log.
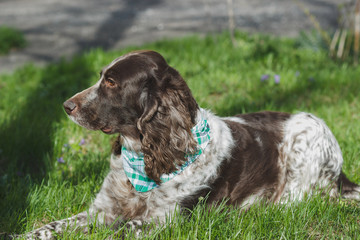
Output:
(267, 156)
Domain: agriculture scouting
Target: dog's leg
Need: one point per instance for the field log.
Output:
(313, 157)
(51, 230)
(116, 203)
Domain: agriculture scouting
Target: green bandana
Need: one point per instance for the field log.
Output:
(134, 165)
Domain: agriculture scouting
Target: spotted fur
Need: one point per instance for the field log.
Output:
(266, 156)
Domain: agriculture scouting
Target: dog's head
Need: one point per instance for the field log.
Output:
(145, 100)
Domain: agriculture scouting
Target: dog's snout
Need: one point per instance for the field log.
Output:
(69, 107)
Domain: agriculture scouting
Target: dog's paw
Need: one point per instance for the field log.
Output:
(135, 226)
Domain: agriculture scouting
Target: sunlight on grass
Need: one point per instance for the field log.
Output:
(52, 168)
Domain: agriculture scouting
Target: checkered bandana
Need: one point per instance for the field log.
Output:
(134, 165)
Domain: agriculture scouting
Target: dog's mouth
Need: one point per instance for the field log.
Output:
(106, 130)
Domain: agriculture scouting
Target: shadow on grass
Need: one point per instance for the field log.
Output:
(27, 138)
(28, 135)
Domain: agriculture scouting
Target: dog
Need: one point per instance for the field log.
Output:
(170, 152)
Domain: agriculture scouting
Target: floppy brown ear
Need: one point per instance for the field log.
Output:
(151, 107)
(165, 127)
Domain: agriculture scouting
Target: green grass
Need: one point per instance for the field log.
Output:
(35, 188)
(10, 39)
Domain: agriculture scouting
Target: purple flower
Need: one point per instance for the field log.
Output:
(264, 77)
(19, 173)
(297, 74)
(311, 79)
(82, 142)
(277, 79)
(66, 145)
(60, 160)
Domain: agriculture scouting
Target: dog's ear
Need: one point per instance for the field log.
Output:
(165, 125)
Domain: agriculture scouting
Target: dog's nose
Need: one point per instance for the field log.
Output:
(69, 107)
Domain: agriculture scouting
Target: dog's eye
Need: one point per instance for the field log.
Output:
(109, 82)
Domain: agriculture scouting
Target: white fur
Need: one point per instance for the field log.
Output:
(90, 94)
(313, 157)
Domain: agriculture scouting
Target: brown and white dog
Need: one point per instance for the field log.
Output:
(267, 156)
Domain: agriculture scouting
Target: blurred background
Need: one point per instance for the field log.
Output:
(54, 29)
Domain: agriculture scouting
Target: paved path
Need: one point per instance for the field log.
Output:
(56, 29)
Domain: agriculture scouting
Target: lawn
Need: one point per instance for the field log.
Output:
(52, 169)
(10, 39)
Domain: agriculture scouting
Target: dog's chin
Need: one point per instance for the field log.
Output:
(93, 127)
